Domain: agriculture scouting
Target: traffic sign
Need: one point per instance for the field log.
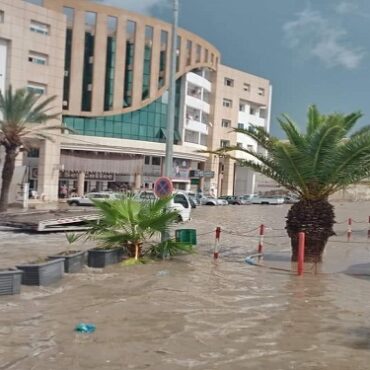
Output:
(163, 187)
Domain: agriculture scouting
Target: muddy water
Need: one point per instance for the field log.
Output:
(192, 313)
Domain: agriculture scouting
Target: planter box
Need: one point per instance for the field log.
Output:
(10, 281)
(73, 262)
(104, 257)
(44, 273)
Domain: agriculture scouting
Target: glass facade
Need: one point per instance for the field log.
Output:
(90, 24)
(147, 124)
(163, 59)
(129, 63)
(147, 62)
(110, 63)
(69, 13)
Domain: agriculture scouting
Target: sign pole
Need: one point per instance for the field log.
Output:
(168, 163)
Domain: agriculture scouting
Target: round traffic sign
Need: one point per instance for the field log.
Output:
(163, 187)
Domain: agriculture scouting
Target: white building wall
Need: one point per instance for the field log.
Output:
(3, 63)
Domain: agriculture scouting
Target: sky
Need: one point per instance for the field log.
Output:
(313, 52)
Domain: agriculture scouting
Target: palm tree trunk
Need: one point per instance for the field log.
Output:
(316, 219)
(7, 175)
(136, 251)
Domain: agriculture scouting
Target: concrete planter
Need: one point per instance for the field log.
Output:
(103, 257)
(43, 273)
(73, 262)
(10, 281)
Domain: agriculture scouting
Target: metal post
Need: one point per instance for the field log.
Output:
(168, 164)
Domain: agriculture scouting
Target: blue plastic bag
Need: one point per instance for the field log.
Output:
(85, 328)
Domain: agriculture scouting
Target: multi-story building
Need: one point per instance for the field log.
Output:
(110, 71)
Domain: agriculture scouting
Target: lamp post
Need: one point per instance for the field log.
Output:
(168, 163)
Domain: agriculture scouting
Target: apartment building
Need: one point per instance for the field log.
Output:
(110, 70)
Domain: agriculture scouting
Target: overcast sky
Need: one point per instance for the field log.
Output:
(314, 51)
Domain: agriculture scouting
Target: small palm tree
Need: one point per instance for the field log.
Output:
(130, 222)
(17, 111)
(312, 164)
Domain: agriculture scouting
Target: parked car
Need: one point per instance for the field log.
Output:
(179, 202)
(209, 201)
(87, 199)
(234, 199)
(267, 200)
(192, 201)
(289, 199)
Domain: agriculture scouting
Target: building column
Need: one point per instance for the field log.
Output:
(228, 177)
(137, 181)
(81, 184)
(48, 170)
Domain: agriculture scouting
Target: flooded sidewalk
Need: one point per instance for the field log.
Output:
(193, 312)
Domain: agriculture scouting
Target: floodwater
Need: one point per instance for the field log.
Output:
(194, 313)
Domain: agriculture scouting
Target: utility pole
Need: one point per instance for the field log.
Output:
(168, 163)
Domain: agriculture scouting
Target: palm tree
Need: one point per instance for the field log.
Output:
(130, 222)
(17, 111)
(313, 165)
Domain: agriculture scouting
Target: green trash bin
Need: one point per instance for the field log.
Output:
(188, 236)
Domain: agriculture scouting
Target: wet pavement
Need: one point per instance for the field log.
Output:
(194, 313)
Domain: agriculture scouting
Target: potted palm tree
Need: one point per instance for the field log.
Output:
(23, 116)
(74, 260)
(130, 225)
(312, 164)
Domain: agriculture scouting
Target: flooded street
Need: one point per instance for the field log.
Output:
(194, 313)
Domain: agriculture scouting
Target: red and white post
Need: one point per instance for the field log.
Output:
(368, 231)
(349, 229)
(260, 242)
(216, 249)
(301, 243)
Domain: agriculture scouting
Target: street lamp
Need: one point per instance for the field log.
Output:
(168, 163)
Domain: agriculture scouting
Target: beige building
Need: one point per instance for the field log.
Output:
(110, 70)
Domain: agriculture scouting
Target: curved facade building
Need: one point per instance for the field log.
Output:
(114, 66)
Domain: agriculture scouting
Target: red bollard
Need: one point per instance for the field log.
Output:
(349, 229)
(301, 242)
(217, 243)
(262, 234)
(368, 231)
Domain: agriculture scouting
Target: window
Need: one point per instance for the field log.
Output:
(192, 114)
(156, 161)
(241, 125)
(224, 143)
(189, 46)
(33, 153)
(37, 58)
(1, 16)
(192, 136)
(180, 199)
(241, 107)
(147, 62)
(239, 145)
(261, 91)
(246, 87)
(203, 139)
(229, 82)
(163, 59)
(194, 91)
(250, 147)
(225, 123)
(36, 88)
(227, 103)
(206, 55)
(205, 118)
(39, 27)
(146, 160)
(252, 111)
(198, 53)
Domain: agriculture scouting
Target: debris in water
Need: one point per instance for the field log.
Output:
(85, 328)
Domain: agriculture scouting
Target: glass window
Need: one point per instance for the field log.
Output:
(225, 123)
(163, 59)
(241, 125)
(37, 88)
(178, 53)
(206, 55)
(224, 143)
(156, 161)
(192, 136)
(198, 53)
(38, 58)
(246, 87)
(203, 139)
(261, 91)
(147, 62)
(129, 66)
(1, 16)
(189, 47)
(38, 27)
(69, 13)
(110, 63)
(228, 82)
(227, 103)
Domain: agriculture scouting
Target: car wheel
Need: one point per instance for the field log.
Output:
(73, 204)
(210, 204)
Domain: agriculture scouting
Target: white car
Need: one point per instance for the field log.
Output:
(180, 202)
(267, 200)
(87, 199)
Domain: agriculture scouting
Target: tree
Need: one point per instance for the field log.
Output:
(313, 165)
(129, 222)
(18, 111)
